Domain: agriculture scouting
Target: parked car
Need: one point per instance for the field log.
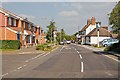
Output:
(61, 43)
(108, 42)
(73, 41)
(68, 42)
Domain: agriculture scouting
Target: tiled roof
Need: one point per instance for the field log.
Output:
(102, 32)
(85, 27)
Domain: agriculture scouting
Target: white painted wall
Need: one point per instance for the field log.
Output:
(94, 39)
(90, 28)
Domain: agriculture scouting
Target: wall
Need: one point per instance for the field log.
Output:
(90, 28)
(9, 34)
(94, 39)
(2, 19)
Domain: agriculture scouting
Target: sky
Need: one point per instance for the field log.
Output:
(70, 16)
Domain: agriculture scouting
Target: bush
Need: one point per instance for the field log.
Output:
(44, 47)
(114, 47)
(9, 44)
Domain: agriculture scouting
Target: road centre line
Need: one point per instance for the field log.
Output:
(80, 56)
(81, 66)
(77, 51)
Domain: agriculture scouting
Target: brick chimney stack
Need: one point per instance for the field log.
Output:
(88, 21)
(93, 21)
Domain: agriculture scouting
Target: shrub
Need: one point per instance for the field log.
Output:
(44, 47)
(9, 44)
(114, 47)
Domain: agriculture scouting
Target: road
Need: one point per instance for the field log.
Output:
(70, 61)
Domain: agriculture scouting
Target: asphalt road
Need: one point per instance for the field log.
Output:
(70, 61)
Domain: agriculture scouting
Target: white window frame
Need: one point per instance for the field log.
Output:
(30, 26)
(24, 25)
(9, 21)
(15, 22)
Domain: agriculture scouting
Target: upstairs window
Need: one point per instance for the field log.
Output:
(14, 22)
(24, 25)
(29, 26)
(9, 21)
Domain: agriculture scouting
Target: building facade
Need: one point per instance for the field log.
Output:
(89, 32)
(14, 27)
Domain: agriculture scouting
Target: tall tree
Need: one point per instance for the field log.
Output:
(51, 27)
(115, 18)
(62, 34)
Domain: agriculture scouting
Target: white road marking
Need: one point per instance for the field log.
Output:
(46, 54)
(77, 51)
(35, 57)
(20, 68)
(108, 73)
(5, 74)
(61, 48)
(81, 66)
(112, 58)
(80, 56)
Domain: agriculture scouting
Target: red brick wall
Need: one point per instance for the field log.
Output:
(9, 34)
(2, 19)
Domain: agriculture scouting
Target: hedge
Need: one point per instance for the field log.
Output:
(114, 47)
(9, 44)
(44, 47)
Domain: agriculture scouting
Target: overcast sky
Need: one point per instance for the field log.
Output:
(66, 15)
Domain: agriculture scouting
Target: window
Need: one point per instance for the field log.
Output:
(9, 21)
(29, 26)
(14, 22)
(24, 25)
(18, 36)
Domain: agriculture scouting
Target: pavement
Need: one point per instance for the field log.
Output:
(70, 61)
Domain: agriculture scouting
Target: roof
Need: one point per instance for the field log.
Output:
(85, 27)
(102, 31)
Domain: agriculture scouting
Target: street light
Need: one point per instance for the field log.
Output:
(98, 24)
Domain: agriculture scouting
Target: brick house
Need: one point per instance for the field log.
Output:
(89, 32)
(14, 27)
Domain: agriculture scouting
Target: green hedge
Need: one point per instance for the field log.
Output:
(9, 44)
(114, 47)
(44, 47)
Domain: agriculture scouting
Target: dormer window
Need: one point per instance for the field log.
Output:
(9, 21)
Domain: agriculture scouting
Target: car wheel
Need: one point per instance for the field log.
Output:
(105, 45)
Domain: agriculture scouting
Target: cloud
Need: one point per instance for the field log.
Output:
(27, 16)
(69, 13)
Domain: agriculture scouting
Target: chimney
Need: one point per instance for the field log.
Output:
(93, 21)
(88, 21)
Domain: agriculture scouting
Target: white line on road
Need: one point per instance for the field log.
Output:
(77, 51)
(81, 66)
(112, 58)
(46, 54)
(61, 48)
(20, 68)
(80, 56)
(5, 74)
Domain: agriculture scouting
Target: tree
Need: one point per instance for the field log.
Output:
(62, 34)
(51, 27)
(115, 19)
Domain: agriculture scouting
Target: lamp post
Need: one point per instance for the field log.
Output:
(98, 32)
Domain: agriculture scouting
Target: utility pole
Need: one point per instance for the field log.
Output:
(98, 32)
